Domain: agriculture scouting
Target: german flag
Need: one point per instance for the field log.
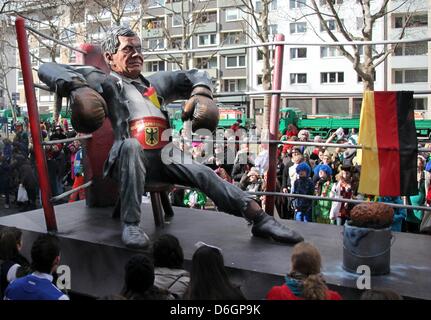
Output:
(387, 134)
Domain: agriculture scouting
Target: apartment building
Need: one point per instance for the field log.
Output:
(321, 78)
(161, 24)
(324, 73)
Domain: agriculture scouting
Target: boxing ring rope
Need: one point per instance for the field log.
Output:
(51, 142)
(336, 199)
(286, 43)
(41, 164)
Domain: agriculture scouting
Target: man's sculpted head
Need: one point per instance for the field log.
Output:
(122, 50)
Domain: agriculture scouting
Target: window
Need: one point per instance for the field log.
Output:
(298, 78)
(233, 85)
(259, 79)
(155, 44)
(410, 75)
(414, 21)
(273, 5)
(331, 24)
(207, 40)
(272, 29)
(298, 27)
(420, 103)
(411, 49)
(233, 38)
(156, 3)
(175, 43)
(331, 77)
(326, 52)
(155, 66)
(260, 54)
(325, 2)
(297, 4)
(297, 53)
(20, 77)
(235, 62)
(258, 6)
(233, 14)
(206, 17)
(206, 63)
(177, 20)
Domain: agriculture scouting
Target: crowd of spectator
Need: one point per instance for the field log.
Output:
(160, 274)
(19, 185)
(330, 172)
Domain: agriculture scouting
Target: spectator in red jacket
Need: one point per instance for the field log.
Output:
(305, 281)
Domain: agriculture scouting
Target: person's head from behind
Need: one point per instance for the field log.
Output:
(45, 254)
(380, 294)
(122, 50)
(167, 252)
(139, 275)
(10, 243)
(306, 260)
(209, 279)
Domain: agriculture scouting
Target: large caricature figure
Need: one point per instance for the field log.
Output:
(133, 105)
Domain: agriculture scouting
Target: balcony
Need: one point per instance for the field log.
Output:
(225, 3)
(213, 72)
(210, 27)
(176, 7)
(152, 33)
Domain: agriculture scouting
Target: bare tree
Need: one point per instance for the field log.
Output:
(330, 10)
(256, 21)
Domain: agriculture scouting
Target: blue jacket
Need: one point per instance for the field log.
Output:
(303, 186)
(400, 214)
(35, 286)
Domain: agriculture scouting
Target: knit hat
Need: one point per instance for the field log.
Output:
(327, 169)
(303, 166)
(303, 134)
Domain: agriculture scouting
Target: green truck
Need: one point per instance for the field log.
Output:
(324, 125)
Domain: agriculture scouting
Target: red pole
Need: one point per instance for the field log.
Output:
(273, 124)
(33, 114)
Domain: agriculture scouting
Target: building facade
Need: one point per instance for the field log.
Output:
(319, 79)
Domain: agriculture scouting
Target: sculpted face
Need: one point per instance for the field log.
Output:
(128, 60)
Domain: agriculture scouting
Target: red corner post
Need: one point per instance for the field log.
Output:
(273, 124)
(33, 114)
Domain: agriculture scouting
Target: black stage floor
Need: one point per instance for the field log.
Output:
(92, 248)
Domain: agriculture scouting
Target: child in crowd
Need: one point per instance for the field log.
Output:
(322, 208)
(304, 282)
(303, 185)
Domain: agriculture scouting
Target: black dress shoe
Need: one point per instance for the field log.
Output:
(268, 227)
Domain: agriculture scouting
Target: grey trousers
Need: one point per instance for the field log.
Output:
(135, 166)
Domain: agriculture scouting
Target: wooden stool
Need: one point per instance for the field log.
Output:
(159, 201)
